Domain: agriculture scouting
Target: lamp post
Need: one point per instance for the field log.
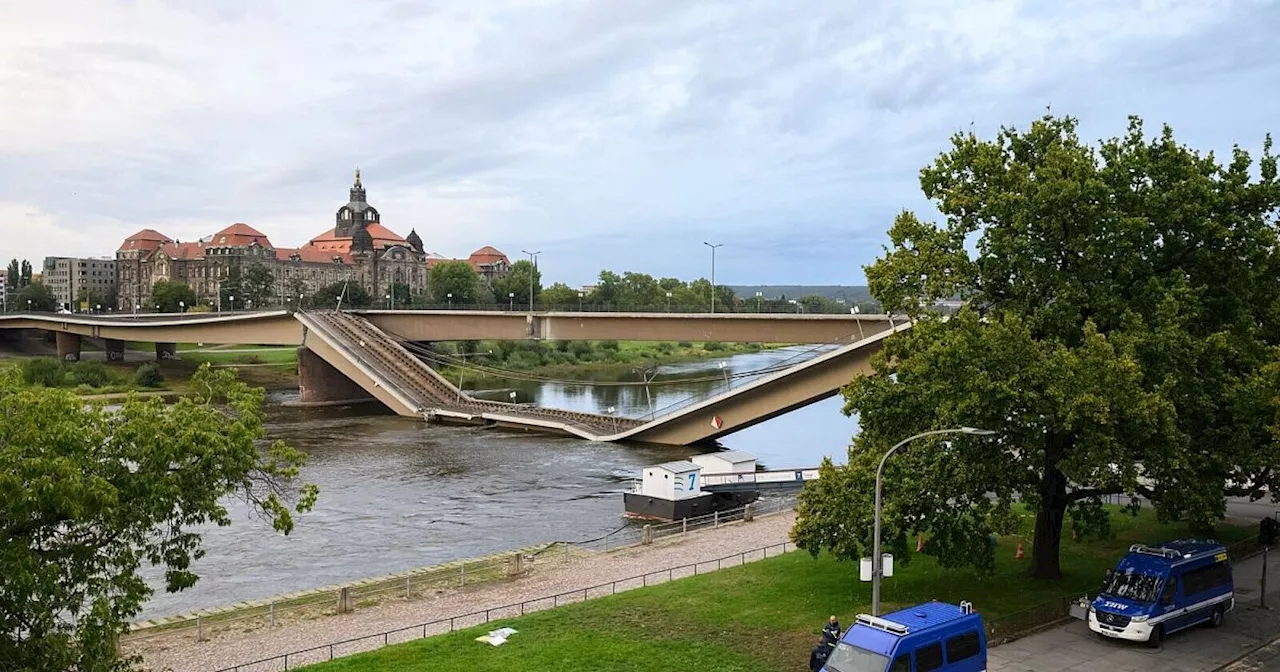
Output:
(232, 299)
(759, 300)
(388, 298)
(135, 309)
(713, 272)
(450, 297)
(511, 300)
(533, 263)
(182, 306)
(28, 305)
(877, 561)
(580, 295)
(668, 302)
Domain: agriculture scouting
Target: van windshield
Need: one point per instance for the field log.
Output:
(1136, 586)
(849, 658)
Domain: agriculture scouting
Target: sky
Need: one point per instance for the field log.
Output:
(605, 134)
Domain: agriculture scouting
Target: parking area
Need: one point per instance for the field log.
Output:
(1073, 648)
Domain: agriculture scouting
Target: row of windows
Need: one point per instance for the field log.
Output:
(929, 657)
(1206, 578)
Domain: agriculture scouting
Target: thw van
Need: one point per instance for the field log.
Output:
(927, 637)
(1157, 591)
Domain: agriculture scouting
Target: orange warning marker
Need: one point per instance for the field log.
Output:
(1019, 555)
(920, 542)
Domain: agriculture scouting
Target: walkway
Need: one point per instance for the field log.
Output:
(1073, 648)
(180, 652)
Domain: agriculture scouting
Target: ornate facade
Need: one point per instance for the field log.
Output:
(358, 249)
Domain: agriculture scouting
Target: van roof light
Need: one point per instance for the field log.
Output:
(966, 607)
(1148, 550)
(882, 624)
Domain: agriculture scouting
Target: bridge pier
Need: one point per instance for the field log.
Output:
(319, 382)
(166, 350)
(114, 349)
(68, 346)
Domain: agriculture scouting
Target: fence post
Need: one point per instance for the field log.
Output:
(1262, 599)
(271, 623)
(684, 526)
(199, 628)
(715, 519)
(408, 590)
(647, 538)
(463, 571)
(344, 600)
(747, 514)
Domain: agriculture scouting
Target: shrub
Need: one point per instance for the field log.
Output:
(149, 375)
(666, 347)
(684, 344)
(93, 374)
(713, 346)
(580, 349)
(609, 345)
(43, 371)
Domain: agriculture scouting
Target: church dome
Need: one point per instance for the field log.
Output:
(414, 240)
(361, 240)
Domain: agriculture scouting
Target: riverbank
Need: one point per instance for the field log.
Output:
(589, 571)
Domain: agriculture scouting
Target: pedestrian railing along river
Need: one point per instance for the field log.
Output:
(421, 582)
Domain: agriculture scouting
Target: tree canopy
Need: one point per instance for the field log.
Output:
(353, 296)
(517, 282)
(251, 286)
(171, 296)
(39, 296)
(88, 494)
(455, 278)
(1120, 334)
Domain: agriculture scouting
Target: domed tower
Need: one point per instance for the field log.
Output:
(361, 240)
(415, 241)
(357, 213)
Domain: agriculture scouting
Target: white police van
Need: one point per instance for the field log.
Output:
(1157, 591)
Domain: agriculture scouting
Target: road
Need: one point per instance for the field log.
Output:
(1073, 648)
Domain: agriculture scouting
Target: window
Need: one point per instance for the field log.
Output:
(902, 664)
(963, 646)
(849, 658)
(1170, 588)
(929, 657)
(1206, 578)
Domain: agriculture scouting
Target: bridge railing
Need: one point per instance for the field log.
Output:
(866, 308)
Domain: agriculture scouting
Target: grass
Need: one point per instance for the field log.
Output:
(763, 616)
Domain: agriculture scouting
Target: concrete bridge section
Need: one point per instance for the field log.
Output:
(280, 328)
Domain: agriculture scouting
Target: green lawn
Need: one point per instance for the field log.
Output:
(762, 616)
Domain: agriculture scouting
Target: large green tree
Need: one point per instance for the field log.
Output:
(38, 295)
(353, 296)
(560, 296)
(1119, 334)
(455, 278)
(88, 494)
(172, 296)
(517, 282)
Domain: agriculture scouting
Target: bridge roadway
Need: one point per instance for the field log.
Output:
(279, 327)
(347, 355)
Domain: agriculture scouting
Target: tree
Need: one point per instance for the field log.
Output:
(39, 296)
(256, 285)
(516, 281)
(121, 487)
(456, 278)
(559, 295)
(14, 275)
(1120, 333)
(25, 274)
(172, 296)
(353, 296)
(397, 290)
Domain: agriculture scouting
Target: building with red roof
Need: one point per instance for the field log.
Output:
(358, 249)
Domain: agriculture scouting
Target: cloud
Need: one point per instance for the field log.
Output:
(615, 135)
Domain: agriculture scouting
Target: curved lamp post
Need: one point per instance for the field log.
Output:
(877, 560)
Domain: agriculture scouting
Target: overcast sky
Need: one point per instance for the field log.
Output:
(607, 134)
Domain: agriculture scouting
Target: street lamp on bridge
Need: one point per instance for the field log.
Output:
(533, 263)
(713, 272)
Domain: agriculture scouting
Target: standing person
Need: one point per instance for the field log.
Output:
(818, 656)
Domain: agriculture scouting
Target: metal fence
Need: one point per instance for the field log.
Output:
(327, 652)
(339, 599)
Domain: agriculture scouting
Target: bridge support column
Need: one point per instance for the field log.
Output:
(166, 350)
(319, 382)
(114, 349)
(68, 346)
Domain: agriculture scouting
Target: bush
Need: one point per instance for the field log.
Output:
(149, 375)
(43, 371)
(609, 345)
(713, 346)
(666, 347)
(580, 349)
(684, 344)
(93, 374)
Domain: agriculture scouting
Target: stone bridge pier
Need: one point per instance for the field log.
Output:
(320, 383)
(68, 346)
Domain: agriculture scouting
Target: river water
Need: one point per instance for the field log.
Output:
(397, 494)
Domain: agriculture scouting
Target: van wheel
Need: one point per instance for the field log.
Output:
(1157, 634)
(1215, 619)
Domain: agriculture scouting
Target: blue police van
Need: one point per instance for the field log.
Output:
(1157, 591)
(923, 638)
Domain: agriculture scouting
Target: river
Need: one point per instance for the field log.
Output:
(397, 494)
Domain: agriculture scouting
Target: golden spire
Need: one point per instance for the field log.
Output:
(357, 177)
